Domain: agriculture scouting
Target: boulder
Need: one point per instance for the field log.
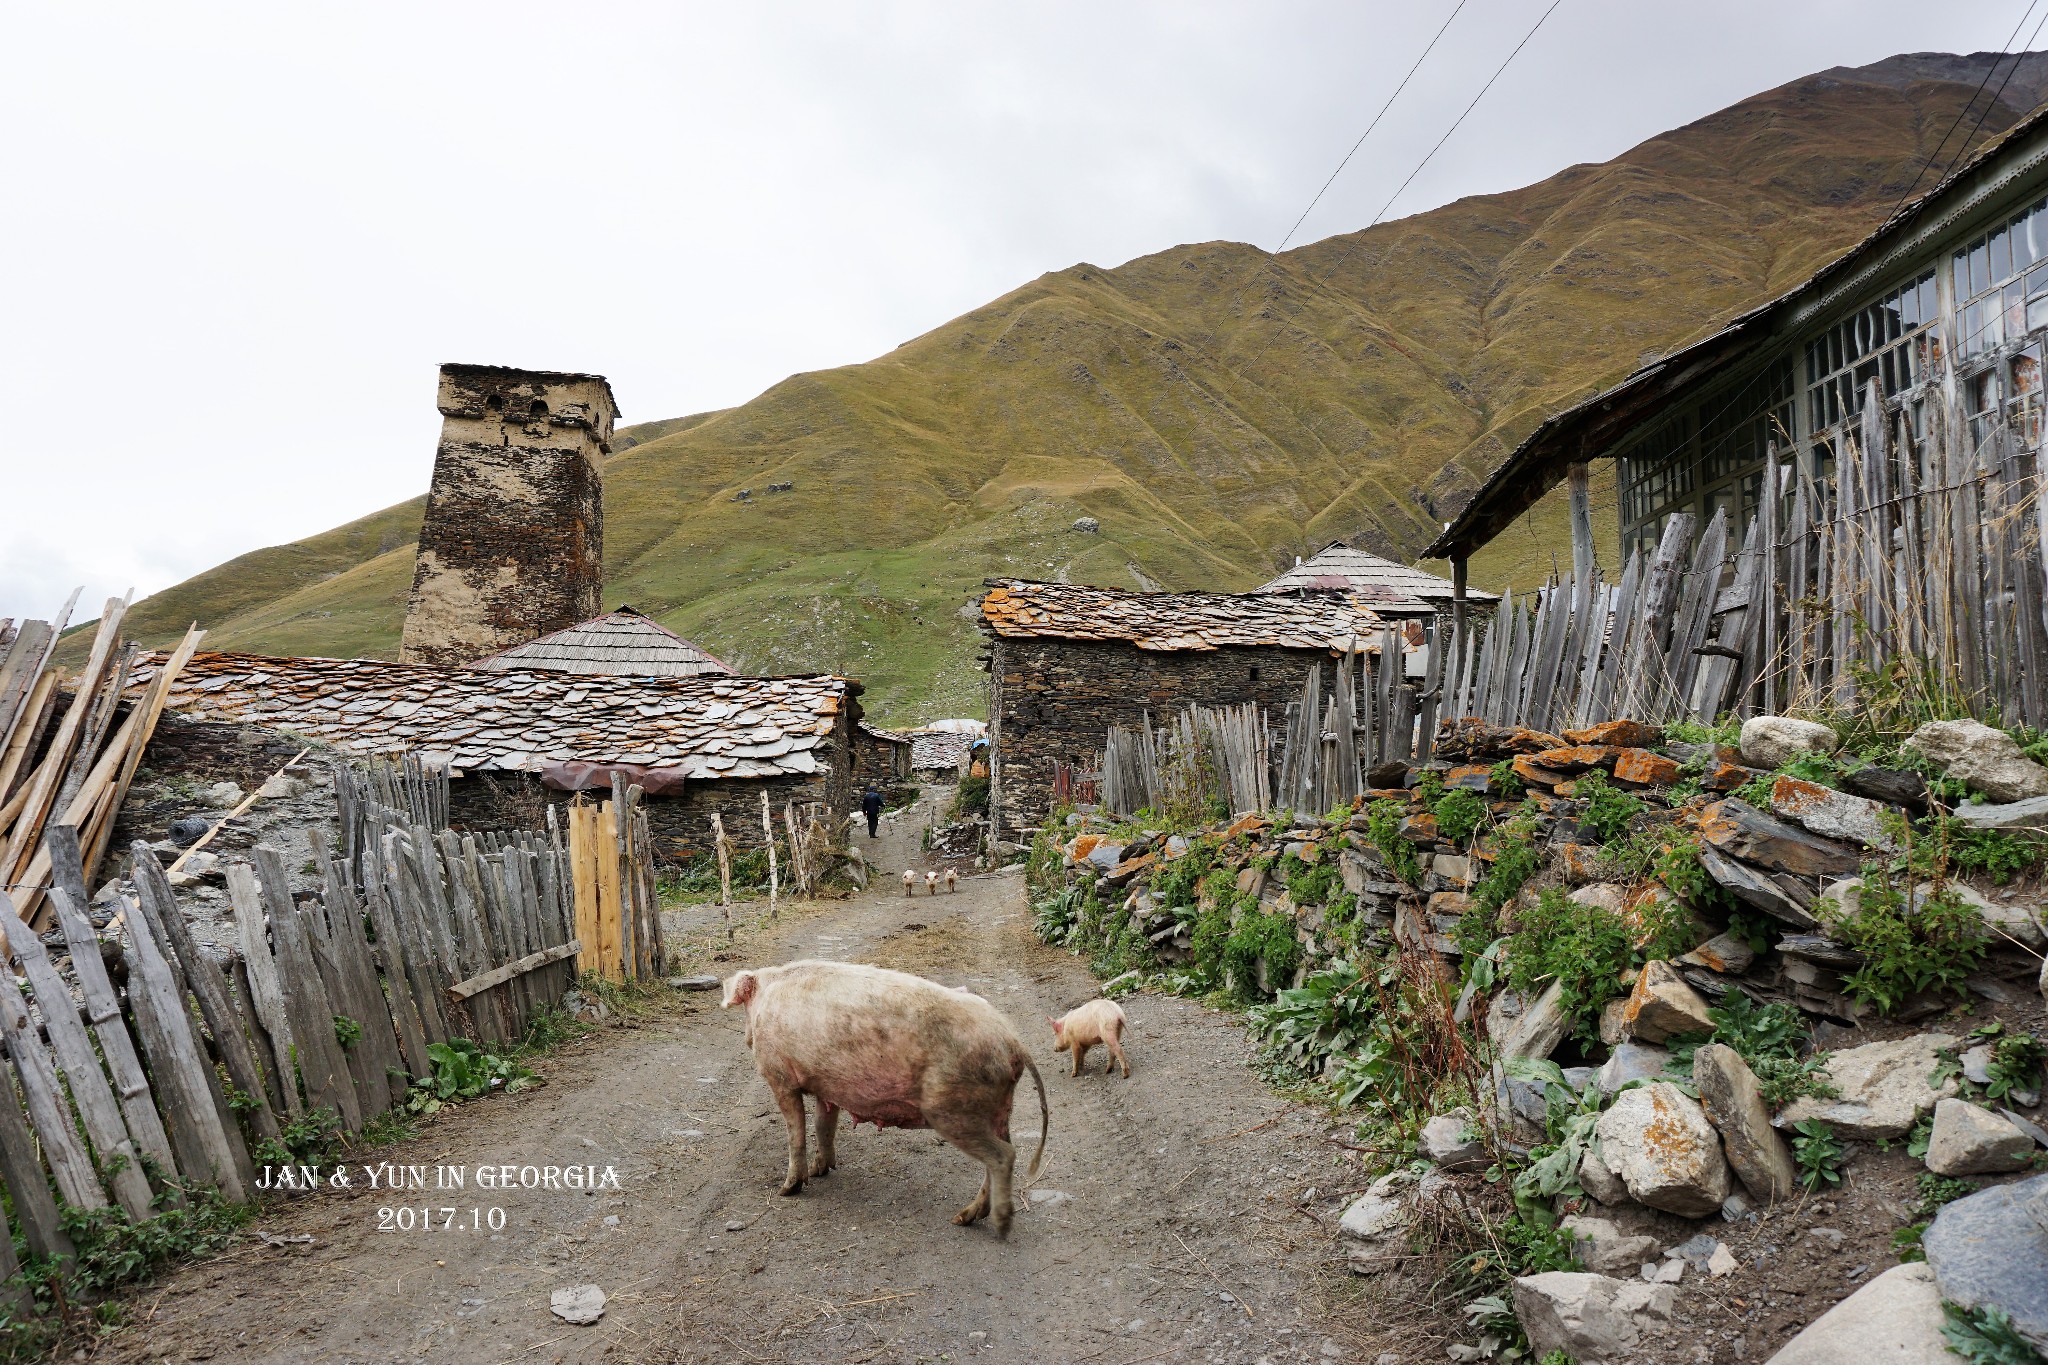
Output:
(1594, 1319)
(1598, 1179)
(2031, 813)
(1577, 758)
(1837, 815)
(1970, 1140)
(1453, 1141)
(1894, 1320)
(1663, 1006)
(1540, 1028)
(1658, 1140)
(1883, 1088)
(1774, 741)
(1632, 1062)
(1735, 1106)
(1740, 830)
(1757, 888)
(1989, 760)
(1893, 786)
(1989, 1248)
(1723, 953)
(1606, 1249)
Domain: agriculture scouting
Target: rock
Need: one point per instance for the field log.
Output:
(1525, 1099)
(1663, 1006)
(580, 1305)
(1620, 734)
(1453, 1141)
(1604, 1248)
(2031, 813)
(1540, 1029)
(189, 830)
(1087, 525)
(1594, 1319)
(1577, 758)
(2021, 923)
(1380, 1212)
(1608, 896)
(1755, 887)
(222, 796)
(1969, 1140)
(1893, 786)
(1883, 1086)
(1658, 1140)
(1740, 830)
(1669, 1272)
(1598, 1179)
(1449, 904)
(1989, 1248)
(694, 983)
(1774, 741)
(1825, 811)
(1988, 760)
(1722, 1263)
(1894, 1320)
(1614, 1022)
(1642, 768)
(1632, 1062)
(1735, 1106)
(279, 787)
(1392, 773)
(1452, 867)
(1723, 953)
(2027, 1126)
(1535, 774)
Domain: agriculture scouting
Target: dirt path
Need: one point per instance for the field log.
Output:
(1164, 1226)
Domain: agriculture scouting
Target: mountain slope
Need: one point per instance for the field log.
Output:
(1218, 408)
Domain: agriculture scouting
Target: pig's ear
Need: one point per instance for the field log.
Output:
(739, 990)
(1054, 1022)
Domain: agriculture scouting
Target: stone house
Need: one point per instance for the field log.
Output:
(879, 756)
(1066, 662)
(514, 739)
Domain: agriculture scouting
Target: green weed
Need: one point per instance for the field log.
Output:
(1818, 1154)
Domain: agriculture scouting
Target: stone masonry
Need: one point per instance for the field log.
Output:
(512, 544)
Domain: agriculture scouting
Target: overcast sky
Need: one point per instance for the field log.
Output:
(237, 240)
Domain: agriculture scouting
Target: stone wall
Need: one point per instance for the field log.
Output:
(681, 825)
(512, 544)
(1053, 700)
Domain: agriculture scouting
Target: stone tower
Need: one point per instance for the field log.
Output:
(512, 545)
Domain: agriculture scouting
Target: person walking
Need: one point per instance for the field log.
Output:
(871, 806)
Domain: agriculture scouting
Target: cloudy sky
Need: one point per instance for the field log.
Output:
(239, 239)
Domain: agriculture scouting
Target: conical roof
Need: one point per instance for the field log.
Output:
(1338, 565)
(621, 643)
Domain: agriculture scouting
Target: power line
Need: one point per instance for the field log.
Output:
(1964, 113)
(1992, 103)
(1475, 104)
(1370, 126)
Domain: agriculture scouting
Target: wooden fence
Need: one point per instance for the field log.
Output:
(1203, 754)
(618, 915)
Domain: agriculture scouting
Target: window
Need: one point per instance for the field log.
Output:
(538, 411)
(1891, 342)
(495, 403)
(2002, 283)
(1707, 456)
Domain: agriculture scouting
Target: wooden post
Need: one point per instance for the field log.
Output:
(1579, 476)
(34, 1209)
(724, 871)
(768, 833)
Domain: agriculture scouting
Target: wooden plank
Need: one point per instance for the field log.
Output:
(272, 1024)
(27, 1185)
(384, 1065)
(476, 954)
(1689, 626)
(322, 1064)
(48, 1110)
(583, 841)
(372, 1091)
(41, 700)
(28, 826)
(98, 1111)
(200, 972)
(497, 976)
(609, 938)
(389, 951)
(179, 1074)
(413, 956)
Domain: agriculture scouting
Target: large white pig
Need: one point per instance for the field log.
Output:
(894, 1050)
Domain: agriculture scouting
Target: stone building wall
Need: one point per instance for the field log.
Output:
(1052, 699)
(512, 544)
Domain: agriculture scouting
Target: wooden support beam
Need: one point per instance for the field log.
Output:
(498, 976)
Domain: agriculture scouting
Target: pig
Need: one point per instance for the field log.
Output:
(931, 883)
(909, 882)
(952, 881)
(894, 1050)
(1098, 1021)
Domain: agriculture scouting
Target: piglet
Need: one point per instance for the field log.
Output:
(931, 883)
(952, 881)
(1098, 1021)
(909, 882)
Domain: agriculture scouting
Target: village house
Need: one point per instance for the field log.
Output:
(879, 756)
(1949, 296)
(1341, 567)
(1066, 662)
(622, 643)
(513, 739)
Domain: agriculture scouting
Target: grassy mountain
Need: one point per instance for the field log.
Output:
(1217, 407)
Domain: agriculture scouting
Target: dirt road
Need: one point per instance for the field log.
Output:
(1165, 1225)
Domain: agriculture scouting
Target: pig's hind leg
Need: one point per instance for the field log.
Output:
(791, 1101)
(1114, 1041)
(972, 1136)
(828, 1135)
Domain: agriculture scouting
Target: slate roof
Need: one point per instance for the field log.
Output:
(886, 736)
(938, 749)
(623, 643)
(524, 719)
(1338, 565)
(1017, 609)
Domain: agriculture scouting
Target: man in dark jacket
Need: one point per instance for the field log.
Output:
(871, 806)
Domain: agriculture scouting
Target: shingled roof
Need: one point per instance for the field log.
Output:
(1341, 566)
(623, 643)
(1017, 609)
(938, 749)
(523, 720)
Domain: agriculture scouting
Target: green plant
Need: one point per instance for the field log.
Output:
(464, 1071)
(2015, 1065)
(1999, 854)
(1504, 780)
(1985, 1335)
(1725, 731)
(1326, 1014)
(1917, 1137)
(1259, 936)
(1909, 941)
(1458, 813)
(1584, 948)
(347, 1031)
(1383, 826)
(1516, 858)
(1609, 809)
(1310, 884)
(1569, 1119)
(311, 1139)
(1767, 1038)
(1817, 1153)
(113, 1250)
(970, 799)
(1053, 916)
(1936, 1190)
